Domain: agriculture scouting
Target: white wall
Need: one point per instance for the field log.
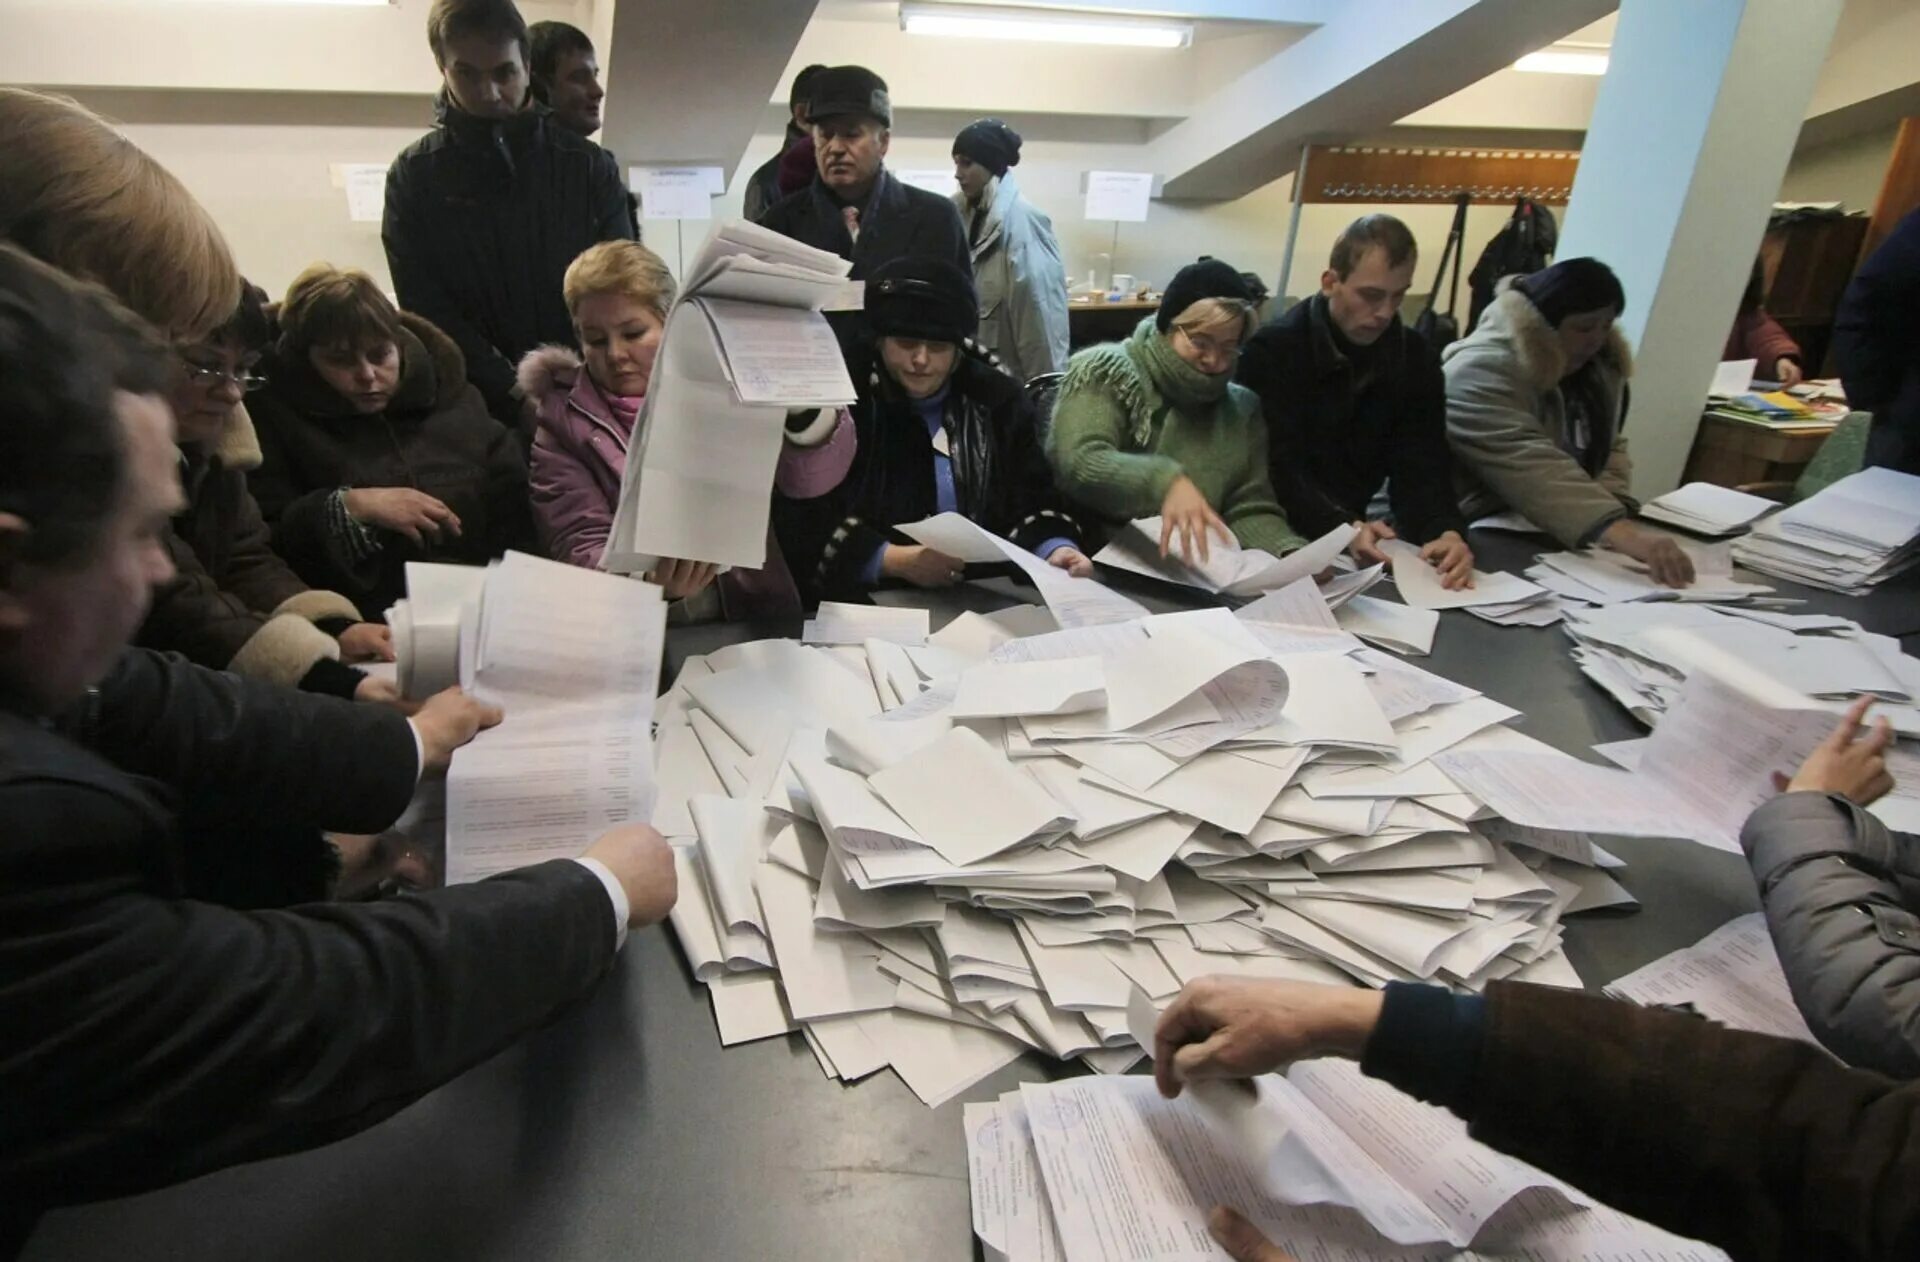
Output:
(1848, 171)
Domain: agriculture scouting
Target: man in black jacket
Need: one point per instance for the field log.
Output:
(1353, 398)
(1876, 342)
(854, 208)
(151, 1036)
(485, 212)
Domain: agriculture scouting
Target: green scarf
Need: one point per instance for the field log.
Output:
(1148, 377)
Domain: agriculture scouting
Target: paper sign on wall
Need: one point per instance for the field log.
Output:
(933, 179)
(674, 192)
(1119, 195)
(366, 187)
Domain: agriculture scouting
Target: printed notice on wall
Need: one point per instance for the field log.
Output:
(675, 192)
(1119, 195)
(366, 188)
(933, 179)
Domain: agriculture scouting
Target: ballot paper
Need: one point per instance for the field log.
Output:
(966, 801)
(426, 631)
(1707, 509)
(839, 623)
(1071, 685)
(1692, 782)
(1604, 578)
(744, 341)
(1075, 602)
(1420, 587)
(1846, 537)
(1732, 378)
(1398, 627)
(1227, 568)
(1732, 976)
(573, 657)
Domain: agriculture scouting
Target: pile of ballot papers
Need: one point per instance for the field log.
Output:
(1328, 1163)
(940, 851)
(1601, 577)
(1857, 533)
(745, 342)
(1706, 509)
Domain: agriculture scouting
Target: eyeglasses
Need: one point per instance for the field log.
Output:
(1210, 347)
(210, 378)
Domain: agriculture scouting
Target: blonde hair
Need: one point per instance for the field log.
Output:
(619, 267)
(1210, 313)
(77, 194)
(332, 306)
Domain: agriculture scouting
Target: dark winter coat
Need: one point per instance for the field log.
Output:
(482, 218)
(434, 436)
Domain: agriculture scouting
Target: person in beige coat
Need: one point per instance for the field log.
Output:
(1536, 408)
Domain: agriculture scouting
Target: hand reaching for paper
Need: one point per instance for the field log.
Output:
(1660, 553)
(1847, 763)
(403, 510)
(1450, 555)
(376, 691)
(681, 579)
(1073, 561)
(1365, 547)
(920, 565)
(1241, 1239)
(446, 722)
(1233, 1027)
(1787, 373)
(1186, 515)
(642, 861)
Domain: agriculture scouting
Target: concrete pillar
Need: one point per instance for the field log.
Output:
(1691, 134)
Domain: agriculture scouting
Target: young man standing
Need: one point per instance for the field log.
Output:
(485, 212)
(566, 76)
(1353, 399)
(792, 168)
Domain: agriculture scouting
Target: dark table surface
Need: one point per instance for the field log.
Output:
(624, 1130)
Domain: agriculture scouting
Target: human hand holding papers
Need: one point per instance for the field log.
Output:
(1421, 588)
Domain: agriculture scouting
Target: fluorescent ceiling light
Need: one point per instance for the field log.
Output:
(1563, 61)
(1049, 27)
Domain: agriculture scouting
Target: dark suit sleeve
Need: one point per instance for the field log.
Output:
(1877, 325)
(265, 750)
(1419, 463)
(154, 1039)
(1763, 1146)
(1311, 510)
(403, 231)
(615, 216)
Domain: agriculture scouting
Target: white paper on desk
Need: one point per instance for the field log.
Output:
(1732, 976)
(1074, 602)
(1509, 521)
(824, 974)
(939, 1059)
(1342, 588)
(748, 1006)
(797, 687)
(1420, 587)
(1032, 1233)
(988, 1182)
(850, 812)
(1072, 685)
(1398, 627)
(1176, 663)
(839, 623)
(733, 838)
(1707, 508)
(510, 806)
(1329, 703)
(965, 800)
(1732, 378)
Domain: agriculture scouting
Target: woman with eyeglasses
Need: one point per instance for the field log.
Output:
(234, 604)
(940, 429)
(1155, 426)
(376, 450)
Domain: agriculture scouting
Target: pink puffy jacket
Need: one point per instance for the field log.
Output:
(580, 454)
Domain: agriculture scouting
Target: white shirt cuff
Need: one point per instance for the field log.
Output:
(621, 908)
(419, 752)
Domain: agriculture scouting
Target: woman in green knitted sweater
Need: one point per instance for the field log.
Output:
(1155, 424)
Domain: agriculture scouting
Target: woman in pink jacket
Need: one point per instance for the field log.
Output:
(1758, 336)
(618, 293)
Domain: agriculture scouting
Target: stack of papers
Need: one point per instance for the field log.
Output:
(1706, 509)
(1602, 577)
(744, 343)
(573, 657)
(1326, 1162)
(941, 856)
(1853, 535)
(1504, 599)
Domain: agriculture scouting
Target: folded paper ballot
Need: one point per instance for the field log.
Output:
(1706, 509)
(1071, 685)
(1420, 587)
(1227, 569)
(1732, 976)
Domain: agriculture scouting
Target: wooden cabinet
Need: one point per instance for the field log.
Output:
(1807, 266)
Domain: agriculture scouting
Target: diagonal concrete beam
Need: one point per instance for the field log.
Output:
(1371, 66)
(688, 83)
